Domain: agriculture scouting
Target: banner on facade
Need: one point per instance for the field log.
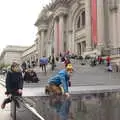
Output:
(94, 21)
(57, 38)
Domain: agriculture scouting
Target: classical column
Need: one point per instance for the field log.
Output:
(56, 37)
(69, 41)
(61, 33)
(114, 29)
(88, 25)
(39, 53)
(42, 43)
(75, 47)
(30, 61)
(35, 56)
(81, 48)
(100, 24)
(73, 39)
(118, 24)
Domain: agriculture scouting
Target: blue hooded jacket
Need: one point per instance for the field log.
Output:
(61, 78)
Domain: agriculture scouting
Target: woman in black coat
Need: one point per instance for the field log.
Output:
(14, 84)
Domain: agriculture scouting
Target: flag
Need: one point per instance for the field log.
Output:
(94, 21)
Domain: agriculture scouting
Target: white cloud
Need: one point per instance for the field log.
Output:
(17, 18)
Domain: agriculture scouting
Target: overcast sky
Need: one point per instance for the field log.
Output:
(17, 18)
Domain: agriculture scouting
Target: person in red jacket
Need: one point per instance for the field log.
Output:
(108, 59)
(66, 62)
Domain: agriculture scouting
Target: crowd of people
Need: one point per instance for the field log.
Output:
(101, 60)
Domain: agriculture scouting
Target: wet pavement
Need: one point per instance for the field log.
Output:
(87, 106)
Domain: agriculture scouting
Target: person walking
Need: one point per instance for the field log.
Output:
(14, 84)
(24, 65)
(67, 61)
(52, 62)
(108, 60)
(43, 63)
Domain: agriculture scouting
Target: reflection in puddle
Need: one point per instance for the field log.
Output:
(104, 106)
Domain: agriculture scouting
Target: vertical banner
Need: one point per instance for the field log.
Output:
(57, 39)
(94, 21)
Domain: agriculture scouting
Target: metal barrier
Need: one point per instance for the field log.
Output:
(115, 51)
(13, 110)
(22, 102)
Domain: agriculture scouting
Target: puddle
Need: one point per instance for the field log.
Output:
(102, 106)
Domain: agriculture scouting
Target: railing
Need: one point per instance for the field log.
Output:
(115, 51)
(31, 110)
(111, 51)
(19, 101)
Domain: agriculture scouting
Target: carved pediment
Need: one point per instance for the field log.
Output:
(60, 11)
(42, 18)
(57, 3)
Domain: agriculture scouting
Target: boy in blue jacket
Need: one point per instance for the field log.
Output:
(61, 78)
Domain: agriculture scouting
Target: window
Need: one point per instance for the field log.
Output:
(78, 22)
(83, 18)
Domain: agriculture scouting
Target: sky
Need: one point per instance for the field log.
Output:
(17, 18)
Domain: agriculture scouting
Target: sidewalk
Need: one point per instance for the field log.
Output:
(4, 114)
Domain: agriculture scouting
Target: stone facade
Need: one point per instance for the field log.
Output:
(57, 28)
(12, 54)
(30, 54)
(78, 26)
(19, 54)
(67, 25)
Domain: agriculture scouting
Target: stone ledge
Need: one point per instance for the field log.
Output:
(74, 90)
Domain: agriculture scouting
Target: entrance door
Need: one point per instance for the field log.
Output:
(84, 46)
(79, 48)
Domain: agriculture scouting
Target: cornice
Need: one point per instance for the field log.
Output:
(42, 27)
(60, 11)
